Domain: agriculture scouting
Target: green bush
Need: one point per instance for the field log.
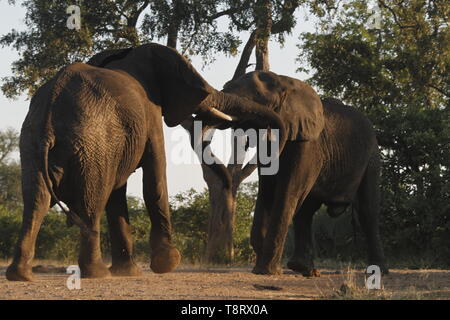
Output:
(10, 222)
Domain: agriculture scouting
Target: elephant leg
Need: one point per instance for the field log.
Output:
(164, 256)
(36, 204)
(261, 214)
(120, 235)
(91, 193)
(297, 175)
(90, 258)
(368, 213)
(302, 260)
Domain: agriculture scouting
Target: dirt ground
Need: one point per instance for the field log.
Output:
(199, 283)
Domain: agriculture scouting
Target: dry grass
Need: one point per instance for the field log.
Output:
(399, 285)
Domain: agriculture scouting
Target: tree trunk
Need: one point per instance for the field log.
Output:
(223, 200)
(219, 249)
(172, 36)
(242, 66)
(264, 29)
(262, 54)
(174, 26)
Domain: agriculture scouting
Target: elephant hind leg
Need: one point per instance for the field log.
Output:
(369, 211)
(90, 192)
(120, 235)
(36, 199)
(302, 260)
(90, 257)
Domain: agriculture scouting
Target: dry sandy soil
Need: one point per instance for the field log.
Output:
(233, 283)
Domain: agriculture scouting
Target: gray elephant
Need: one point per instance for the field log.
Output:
(331, 157)
(94, 124)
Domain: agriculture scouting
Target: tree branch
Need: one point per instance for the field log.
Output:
(438, 90)
(384, 5)
(246, 171)
(245, 56)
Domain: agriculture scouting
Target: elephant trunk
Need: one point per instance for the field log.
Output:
(238, 112)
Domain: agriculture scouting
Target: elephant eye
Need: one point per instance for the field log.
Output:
(260, 98)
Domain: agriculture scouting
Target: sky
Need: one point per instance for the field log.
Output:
(180, 176)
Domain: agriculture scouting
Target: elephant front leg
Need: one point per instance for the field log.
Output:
(120, 235)
(271, 249)
(298, 173)
(259, 228)
(261, 215)
(164, 256)
(268, 260)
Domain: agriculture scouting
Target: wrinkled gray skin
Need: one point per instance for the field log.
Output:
(89, 128)
(331, 157)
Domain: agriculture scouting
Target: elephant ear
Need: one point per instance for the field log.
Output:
(301, 109)
(295, 101)
(101, 59)
(183, 88)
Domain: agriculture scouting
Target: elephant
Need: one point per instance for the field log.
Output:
(331, 157)
(90, 127)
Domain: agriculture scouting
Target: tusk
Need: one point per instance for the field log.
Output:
(220, 115)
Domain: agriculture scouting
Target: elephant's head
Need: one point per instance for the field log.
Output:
(181, 91)
(298, 105)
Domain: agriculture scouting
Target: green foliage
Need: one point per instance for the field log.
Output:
(10, 185)
(10, 222)
(48, 45)
(245, 204)
(399, 76)
(192, 24)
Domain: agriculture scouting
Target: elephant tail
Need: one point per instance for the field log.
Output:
(71, 215)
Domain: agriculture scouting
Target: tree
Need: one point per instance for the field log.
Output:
(399, 76)
(48, 45)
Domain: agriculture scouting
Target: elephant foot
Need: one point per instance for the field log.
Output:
(94, 270)
(268, 270)
(125, 269)
(303, 269)
(19, 273)
(165, 259)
